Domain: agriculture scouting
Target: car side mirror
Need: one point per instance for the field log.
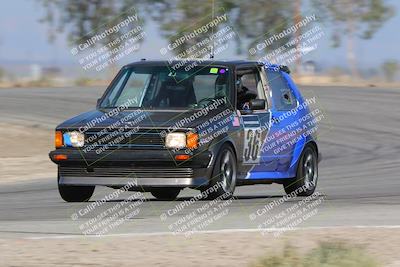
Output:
(257, 104)
(98, 102)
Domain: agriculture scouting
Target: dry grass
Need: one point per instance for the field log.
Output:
(327, 254)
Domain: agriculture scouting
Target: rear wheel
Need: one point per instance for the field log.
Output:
(165, 193)
(223, 181)
(71, 193)
(307, 174)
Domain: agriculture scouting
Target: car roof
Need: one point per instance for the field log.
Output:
(210, 62)
(200, 62)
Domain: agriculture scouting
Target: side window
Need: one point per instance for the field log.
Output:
(282, 95)
(249, 87)
(249, 82)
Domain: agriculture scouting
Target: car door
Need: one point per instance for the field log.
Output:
(284, 124)
(251, 84)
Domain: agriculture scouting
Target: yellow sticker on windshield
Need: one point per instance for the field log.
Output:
(214, 70)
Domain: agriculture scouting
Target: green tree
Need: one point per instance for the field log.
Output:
(390, 68)
(260, 19)
(253, 20)
(354, 18)
(81, 19)
(85, 20)
(177, 18)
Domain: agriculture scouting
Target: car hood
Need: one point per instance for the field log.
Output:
(142, 118)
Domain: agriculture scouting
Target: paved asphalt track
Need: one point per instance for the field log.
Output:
(359, 179)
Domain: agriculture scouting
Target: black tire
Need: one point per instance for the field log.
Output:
(306, 179)
(223, 181)
(71, 193)
(166, 193)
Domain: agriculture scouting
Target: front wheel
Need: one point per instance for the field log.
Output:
(307, 174)
(223, 181)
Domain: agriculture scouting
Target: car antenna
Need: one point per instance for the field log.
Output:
(212, 32)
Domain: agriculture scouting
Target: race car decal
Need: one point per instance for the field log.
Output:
(235, 121)
(251, 121)
(252, 139)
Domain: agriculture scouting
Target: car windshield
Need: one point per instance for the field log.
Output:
(160, 87)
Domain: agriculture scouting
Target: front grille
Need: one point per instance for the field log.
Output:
(124, 138)
(126, 172)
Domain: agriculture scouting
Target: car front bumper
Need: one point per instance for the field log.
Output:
(140, 168)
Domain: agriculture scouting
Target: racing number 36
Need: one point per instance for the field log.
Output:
(252, 144)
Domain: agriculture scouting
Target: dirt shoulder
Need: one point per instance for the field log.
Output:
(24, 153)
(217, 249)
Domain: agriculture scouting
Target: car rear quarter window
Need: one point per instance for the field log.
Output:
(282, 95)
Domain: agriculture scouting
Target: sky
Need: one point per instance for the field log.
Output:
(23, 39)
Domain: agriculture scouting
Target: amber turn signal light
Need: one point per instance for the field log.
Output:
(60, 157)
(58, 139)
(192, 140)
(182, 157)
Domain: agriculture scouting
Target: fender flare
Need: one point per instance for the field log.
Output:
(217, 144)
